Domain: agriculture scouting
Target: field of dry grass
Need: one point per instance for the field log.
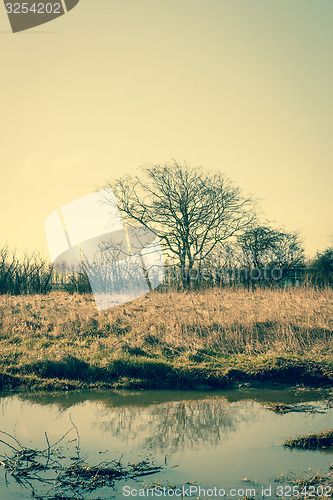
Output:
(215, 337)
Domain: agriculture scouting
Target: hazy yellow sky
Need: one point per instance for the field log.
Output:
(240, 86)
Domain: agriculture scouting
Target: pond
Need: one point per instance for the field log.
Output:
(223, 439)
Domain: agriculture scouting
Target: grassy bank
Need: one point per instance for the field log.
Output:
(320, 440)
(316, 484)
(215, 338)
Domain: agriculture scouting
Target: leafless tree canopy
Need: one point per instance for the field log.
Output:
(28, 274)
(190, 209)
(264, 245)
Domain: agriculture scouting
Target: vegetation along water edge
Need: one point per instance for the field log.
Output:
(213, 338)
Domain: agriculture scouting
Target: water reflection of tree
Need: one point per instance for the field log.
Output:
(174, 426)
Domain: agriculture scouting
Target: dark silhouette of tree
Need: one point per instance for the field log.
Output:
(191, 210)
(321, 268)
(271, 252)
(24, 275)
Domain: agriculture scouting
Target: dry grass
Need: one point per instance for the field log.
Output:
(312, 485)
(321, 440)
(63, 336)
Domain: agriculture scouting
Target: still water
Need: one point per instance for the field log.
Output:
(225, 439)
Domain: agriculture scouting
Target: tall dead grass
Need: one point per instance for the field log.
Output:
(206, 323)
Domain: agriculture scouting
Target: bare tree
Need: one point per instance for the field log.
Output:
(28, 274)
(191, 210)
(321, 268)
(273, 253)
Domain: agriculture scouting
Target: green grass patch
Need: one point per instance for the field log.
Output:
(125, 370)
